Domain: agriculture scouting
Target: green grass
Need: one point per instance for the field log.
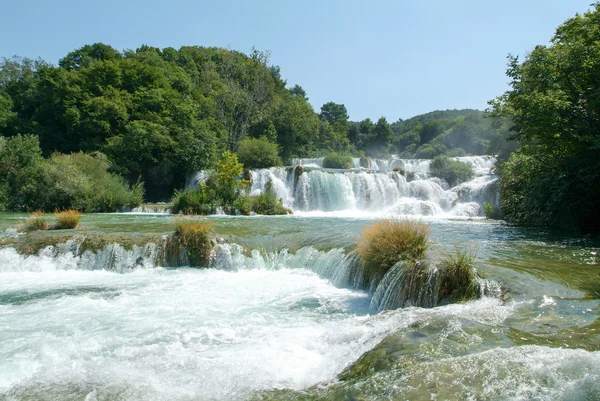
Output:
(458, 277)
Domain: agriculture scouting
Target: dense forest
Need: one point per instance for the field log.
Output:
(160, 114)
(140, 121)
(554, 103)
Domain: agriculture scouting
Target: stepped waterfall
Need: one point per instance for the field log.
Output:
(307, 187)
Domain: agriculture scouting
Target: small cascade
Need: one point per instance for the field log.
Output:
(70, 256)
(427, 285)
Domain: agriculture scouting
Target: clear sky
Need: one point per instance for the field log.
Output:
(379, 58)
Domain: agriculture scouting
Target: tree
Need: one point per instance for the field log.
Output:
(258, 153)
(554, 105)
(334, 113)
(297, 90)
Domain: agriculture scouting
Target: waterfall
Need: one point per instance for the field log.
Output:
(420, 284)
(376, 189)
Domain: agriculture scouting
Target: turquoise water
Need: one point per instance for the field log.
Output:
(276, 318)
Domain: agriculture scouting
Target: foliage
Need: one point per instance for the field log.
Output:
(76, 181)
(226, 180)
(193, 201)
(267, 202)
(554, 103)
(488, 210)
(453, 171)
(258, 153)
(458, 279)
(67, 219)
(450, 132)
(194, 238)
(389, 241)
(36, 222)
(334, 160)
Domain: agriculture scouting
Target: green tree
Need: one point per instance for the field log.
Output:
(554, 105)
(258, 153)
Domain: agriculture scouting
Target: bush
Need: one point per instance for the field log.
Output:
(400, 170)
(76, 181)
(389, 241)
(456, 152)
(453, 171)
(193, 238)
(36, 222)
(193, 201)
(265, 203)
(258, 153)
(458, 279)
(488, 210)
(66, 219)
(333, 160)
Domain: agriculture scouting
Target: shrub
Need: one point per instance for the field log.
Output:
(458, 279)
(193, 201)
(193, 237)
(400, 170)
(245, 204)
(455, 152)
(488, 210)
(453, 171)
(386, 242)
(333, 160)
(66, 219)
(35, 222)
(265, 203)
(258, 153)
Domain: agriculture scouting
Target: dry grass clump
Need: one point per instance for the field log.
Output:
(389, 241)
(458, 281)
(66, 219)
(193, 237)
(36, 222)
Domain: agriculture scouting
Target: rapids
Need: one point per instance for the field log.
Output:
(280, 313)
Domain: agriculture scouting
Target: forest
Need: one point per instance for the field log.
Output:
(156, 115)
(145, 119)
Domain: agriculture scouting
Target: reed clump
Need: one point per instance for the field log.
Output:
(193, 238)
(36, 222)
(389, 241)
(458, 277)
(66, 219)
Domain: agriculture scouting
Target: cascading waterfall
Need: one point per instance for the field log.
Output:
(343, 269)
(377, 189)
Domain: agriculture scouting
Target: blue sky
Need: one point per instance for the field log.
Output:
(380, 58)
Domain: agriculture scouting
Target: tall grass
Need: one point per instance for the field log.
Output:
(67, 219)
(458, 280)
(194, 238)
(36, 222)
(388, 241)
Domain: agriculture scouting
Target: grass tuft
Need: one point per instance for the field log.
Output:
(67, 219)
(458, 277)
(389, 241)
(194, 238)
(36, 222)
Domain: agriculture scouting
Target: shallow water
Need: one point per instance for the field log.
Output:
(280, 320)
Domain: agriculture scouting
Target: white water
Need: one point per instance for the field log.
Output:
(160, 334)
(378, 190)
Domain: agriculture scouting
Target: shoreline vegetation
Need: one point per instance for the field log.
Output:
(106, 130)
